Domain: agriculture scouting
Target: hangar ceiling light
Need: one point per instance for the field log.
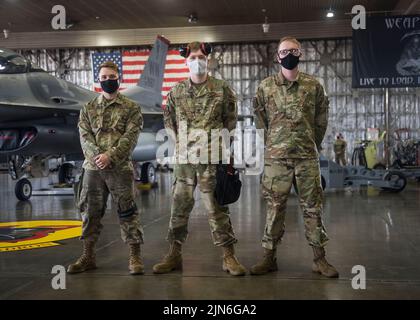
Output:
(192, 18)
(265, 25)
(330, 13)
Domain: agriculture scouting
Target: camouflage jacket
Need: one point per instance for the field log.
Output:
(294, 116)
(340, 146)
(110, 127)
(207, 107)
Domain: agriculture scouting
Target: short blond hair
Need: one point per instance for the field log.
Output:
(194, 46)
(291, 39)
(109, 64)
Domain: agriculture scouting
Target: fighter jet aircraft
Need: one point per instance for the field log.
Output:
(39, 114)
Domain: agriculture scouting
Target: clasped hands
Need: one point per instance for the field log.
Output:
(102, 161)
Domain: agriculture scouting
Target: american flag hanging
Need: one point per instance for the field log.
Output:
(132, 65)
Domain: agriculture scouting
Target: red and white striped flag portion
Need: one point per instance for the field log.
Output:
(133, 63)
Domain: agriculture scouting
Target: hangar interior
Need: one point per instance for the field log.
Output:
(246, 65)
(368, 226)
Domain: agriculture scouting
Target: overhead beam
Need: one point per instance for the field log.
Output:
(406, 7)
(214, 34)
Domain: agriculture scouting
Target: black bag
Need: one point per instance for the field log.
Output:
(228, 186)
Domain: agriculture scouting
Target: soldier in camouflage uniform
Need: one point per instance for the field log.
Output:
(109, 127)
(340, 146)
(200, 102)
(292, 108)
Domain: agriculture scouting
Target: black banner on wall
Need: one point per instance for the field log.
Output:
(387, 53)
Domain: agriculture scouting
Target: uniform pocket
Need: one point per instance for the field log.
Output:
(183, 109)
(81, 197)
(78, 188)
(281, 184)
(119, 119)
(268, 176)
(274, 105)
(277, 178)
(308, 106)
(121, 124)
(216, 107)
(267, 182)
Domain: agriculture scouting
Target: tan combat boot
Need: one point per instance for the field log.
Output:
(172, 261)
(135, 265)
(267, 264)
(321, 264)
(231, 263)
(86, 260)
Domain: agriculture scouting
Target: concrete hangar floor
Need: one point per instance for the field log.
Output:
(377, 230)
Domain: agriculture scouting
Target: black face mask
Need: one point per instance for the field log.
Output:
(110, 86)
(289, 62)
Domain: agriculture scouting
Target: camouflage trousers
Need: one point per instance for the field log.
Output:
(277, 181)
(186, 178)
(340, 159)
(96, 187)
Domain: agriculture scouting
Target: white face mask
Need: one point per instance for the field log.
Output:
(197, 66)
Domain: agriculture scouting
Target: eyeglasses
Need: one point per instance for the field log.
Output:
(110, 77)
(285, 52)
